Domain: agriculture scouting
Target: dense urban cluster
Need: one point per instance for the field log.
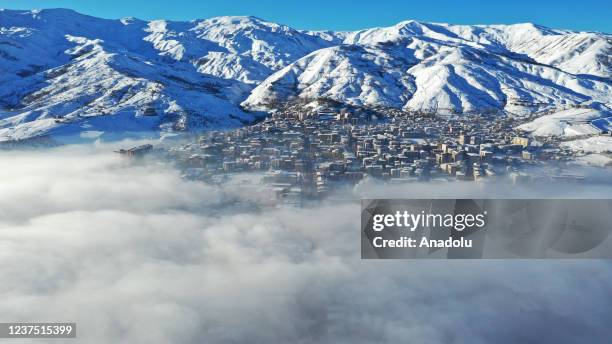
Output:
(308, 153)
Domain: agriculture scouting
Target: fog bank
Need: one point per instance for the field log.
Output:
(135, 254)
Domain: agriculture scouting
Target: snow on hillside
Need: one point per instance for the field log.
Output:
(441, 67)
(596, 144)
(62, 72)
(593, 150)
(247, 49)
(352, 74)
(567, 123)
(573, 52)
(450, 79)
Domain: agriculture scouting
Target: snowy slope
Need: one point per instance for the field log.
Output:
(596, 144)
(247, 49)
(62, 72)
(573, 52)
(441, 67)
(569, 123)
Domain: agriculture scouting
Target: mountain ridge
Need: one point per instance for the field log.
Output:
(66, 72)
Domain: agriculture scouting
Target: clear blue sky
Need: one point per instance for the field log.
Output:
(591, 15)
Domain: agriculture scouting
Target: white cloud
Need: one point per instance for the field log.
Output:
(134, 254)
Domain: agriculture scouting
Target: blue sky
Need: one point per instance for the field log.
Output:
(591, 15)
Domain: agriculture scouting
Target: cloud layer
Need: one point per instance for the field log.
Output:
(135, 254)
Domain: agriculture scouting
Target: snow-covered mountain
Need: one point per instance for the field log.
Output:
(456, 68)
(574, 122)
(62, 72)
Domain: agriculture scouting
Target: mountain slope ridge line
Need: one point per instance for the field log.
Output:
(64, 73)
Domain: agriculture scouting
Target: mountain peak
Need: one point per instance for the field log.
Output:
(409, 22)
(54, 13)
(68, 71)
(238, 20)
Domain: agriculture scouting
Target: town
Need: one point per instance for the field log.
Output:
(306, 154)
